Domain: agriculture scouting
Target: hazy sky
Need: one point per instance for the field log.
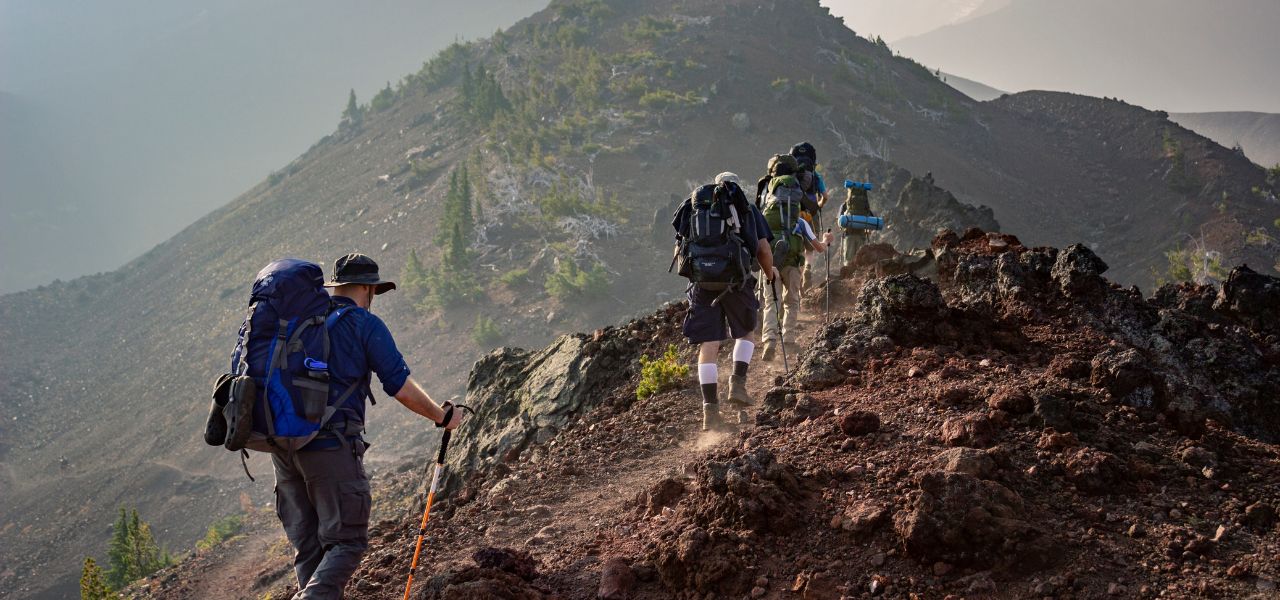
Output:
(1175, 55)
(125, 121)
(897, 19)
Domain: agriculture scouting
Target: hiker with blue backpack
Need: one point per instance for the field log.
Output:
(856, 220)
(300, 375)
(721, 240)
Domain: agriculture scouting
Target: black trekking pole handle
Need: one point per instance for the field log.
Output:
(448, 433)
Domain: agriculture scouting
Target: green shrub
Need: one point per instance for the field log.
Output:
(568, 282)
(413, 278)
(650, 29)
(485, 333)
(383, 99)
(661, 99)
(591, 9)
(1257, 237)
(220, 531)
(92, 583)
(419, 174)
(813, 93)
(667, 372)
(514, 278)
(1194, 265)
(448, 289)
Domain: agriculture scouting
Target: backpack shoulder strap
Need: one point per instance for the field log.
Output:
(332, 320)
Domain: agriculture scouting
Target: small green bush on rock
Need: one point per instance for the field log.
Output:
(658, 375)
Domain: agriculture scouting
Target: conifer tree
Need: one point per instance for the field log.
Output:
(456, 255)
(133, 551)
(414, 277)
(465, 220)
(147, 555)
(118, 552)
(352, 113)
(92, 585)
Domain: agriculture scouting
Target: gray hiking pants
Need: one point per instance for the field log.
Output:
(322, 499)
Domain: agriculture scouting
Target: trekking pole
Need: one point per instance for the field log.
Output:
(777, 313)
(431, 495)
(826, 318)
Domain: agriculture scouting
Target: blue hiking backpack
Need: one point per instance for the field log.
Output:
(277, 392)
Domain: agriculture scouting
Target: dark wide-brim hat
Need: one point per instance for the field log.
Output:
(358, 269)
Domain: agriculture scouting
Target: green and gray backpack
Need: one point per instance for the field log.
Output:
(783, 203)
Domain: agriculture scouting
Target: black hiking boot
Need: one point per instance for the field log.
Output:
(711, 419)
(738, 396)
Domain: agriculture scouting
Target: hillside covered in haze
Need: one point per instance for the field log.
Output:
(574, 132)
(1258, 134)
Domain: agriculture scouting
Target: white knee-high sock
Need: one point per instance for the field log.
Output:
(707, 377)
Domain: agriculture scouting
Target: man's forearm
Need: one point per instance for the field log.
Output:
(414, 398)
(764, 255)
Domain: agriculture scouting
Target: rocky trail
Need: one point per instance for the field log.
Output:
(1012, 426)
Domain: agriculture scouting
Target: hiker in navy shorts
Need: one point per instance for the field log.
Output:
(718, 315)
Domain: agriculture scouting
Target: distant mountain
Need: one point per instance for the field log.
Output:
(578, 128)
(1176, 56)
(973, 89)
(1257, 133)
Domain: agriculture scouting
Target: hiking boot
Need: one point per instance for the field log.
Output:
(768, 353)
(738, 395)
(711, 419)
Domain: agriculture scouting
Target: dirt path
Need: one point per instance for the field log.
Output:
(240, 568)
(581, 493)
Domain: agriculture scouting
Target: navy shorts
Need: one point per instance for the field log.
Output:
(734, 316)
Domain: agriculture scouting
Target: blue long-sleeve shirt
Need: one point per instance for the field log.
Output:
(360, 345)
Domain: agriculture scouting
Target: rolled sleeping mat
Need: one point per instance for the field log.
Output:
(861, 222)
(858, 185)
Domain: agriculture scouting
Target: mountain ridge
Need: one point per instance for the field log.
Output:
(607, 100)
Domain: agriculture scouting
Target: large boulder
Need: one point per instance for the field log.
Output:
(1078, 273)
(905, 308)
(1251, 298)
(963, 520)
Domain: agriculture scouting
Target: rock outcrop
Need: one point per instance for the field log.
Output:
(524, 398)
